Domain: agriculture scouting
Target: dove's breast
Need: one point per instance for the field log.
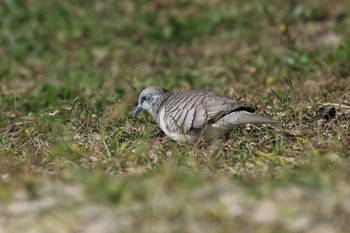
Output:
(182, 113)
(170, 130)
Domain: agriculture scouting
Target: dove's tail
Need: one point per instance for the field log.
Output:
(243, 117)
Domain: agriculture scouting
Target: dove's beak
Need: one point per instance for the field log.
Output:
(138, 110)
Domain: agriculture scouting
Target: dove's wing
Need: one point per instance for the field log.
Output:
(188, 110)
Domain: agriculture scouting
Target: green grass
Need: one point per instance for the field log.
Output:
(72, 157)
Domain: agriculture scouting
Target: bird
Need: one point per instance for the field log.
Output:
(193, 115)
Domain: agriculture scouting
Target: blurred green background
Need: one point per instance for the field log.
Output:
(72, 158)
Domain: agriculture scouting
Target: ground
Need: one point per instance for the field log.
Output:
(73, 159)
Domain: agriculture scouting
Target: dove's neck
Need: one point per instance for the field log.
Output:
(158, 105)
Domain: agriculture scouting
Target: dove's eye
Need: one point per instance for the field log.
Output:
(145, 98)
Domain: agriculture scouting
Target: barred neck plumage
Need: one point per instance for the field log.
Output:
(157, 105)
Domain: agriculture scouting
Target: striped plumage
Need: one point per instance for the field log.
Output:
(190, 115)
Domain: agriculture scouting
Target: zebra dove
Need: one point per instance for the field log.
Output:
(193, 115)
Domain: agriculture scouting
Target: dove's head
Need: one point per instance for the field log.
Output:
(151, 99)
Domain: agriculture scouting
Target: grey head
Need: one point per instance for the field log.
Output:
(151, 99)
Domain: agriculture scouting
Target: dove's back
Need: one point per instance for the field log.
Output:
(187, 115)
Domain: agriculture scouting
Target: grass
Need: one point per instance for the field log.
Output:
(73, 159)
